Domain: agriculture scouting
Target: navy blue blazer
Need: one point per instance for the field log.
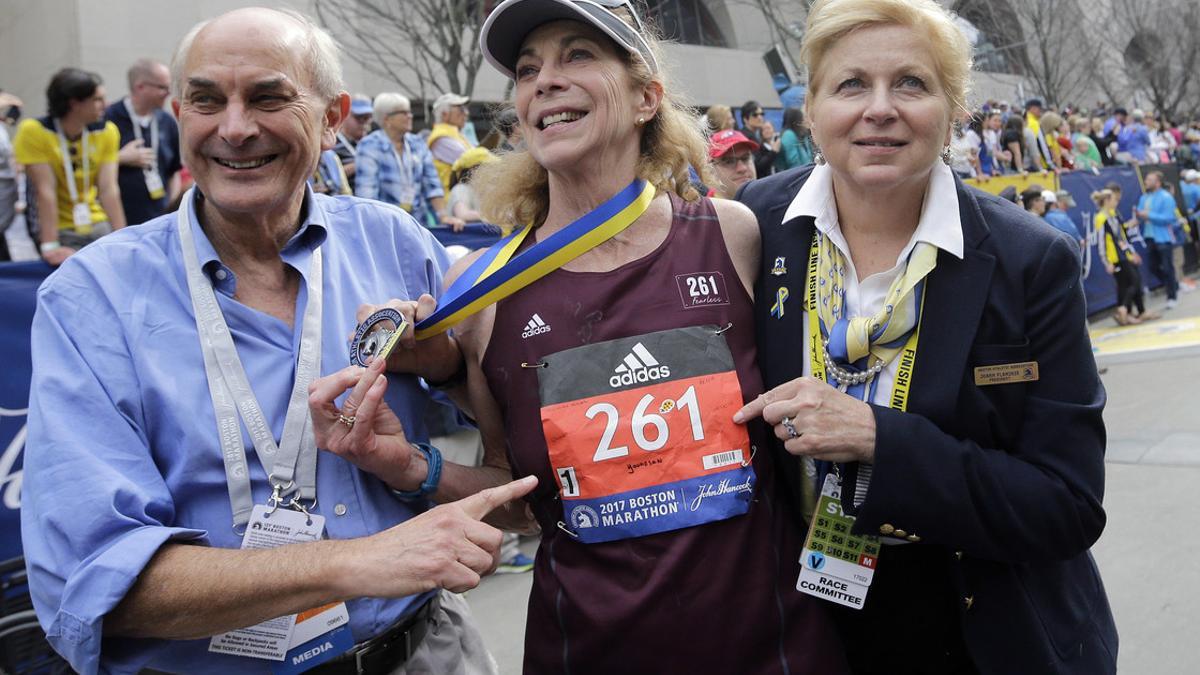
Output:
(1003, 481)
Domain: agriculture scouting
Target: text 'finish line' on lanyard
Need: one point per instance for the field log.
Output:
(907, 356)
(497, 274)
(836, 565)
(295, 457)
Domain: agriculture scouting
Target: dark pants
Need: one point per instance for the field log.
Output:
(1159, 257)
(1129, 287)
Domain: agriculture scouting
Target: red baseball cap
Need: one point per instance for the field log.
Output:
(725, 140)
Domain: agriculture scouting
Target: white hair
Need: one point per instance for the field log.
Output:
(321, 55)
(438, 110)
(386, 103)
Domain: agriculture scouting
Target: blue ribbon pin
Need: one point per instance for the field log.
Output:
(781, 296)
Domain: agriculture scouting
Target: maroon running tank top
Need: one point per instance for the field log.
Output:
(714, 598)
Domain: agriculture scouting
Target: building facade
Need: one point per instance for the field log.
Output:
(717, 53)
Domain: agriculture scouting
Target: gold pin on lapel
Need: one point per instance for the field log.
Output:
(780, 267)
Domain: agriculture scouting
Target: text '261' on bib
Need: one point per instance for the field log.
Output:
(641, 434)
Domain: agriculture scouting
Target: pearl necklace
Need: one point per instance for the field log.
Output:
(845, 377)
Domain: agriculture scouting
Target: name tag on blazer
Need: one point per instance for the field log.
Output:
(1006, 373)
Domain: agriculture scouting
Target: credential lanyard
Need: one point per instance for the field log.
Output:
(907, 356)
(294, 459)
(346, 142)
(137, 131)
(402, 163)
(816, 354)
(69, 166)
(497, 274)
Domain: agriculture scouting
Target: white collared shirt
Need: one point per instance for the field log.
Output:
(939, 225)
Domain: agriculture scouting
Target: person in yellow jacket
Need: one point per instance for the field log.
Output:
(1120, 259)
(446, 140)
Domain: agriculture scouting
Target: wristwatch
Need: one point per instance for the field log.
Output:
(47, 246)
(434, 458)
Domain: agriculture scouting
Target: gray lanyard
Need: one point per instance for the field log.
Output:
(406, 169)
(69, 166)
(295, 458)
(137, 131)
(346, 142)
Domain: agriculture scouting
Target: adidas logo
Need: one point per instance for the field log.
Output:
(638, 366)
(535, 327)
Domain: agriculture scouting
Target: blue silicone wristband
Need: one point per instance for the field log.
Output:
(434, 457)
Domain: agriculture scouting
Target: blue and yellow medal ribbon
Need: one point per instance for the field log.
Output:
(498, 273)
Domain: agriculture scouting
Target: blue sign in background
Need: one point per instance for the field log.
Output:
(18, 293)
(1098, 285)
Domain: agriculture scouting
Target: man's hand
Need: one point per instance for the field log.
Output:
(447, 547)
(374, 439)
(769, 136)
(7, 101)
(829, 424)
(135, 153)
(454, 223)
(57, 256)
(436, 359)
(189, 592)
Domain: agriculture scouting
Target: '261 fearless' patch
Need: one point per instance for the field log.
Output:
(703, 289)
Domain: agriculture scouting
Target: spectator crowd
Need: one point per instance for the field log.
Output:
(89, 167)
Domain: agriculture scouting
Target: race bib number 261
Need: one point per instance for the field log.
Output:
(641, 436)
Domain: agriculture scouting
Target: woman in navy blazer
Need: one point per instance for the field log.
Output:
(978, 460)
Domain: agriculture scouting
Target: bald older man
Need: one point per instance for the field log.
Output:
(173, 493)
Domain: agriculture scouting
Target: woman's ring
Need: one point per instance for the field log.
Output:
(348, 421)
(791, 428)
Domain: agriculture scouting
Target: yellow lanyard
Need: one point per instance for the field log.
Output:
(816, 354)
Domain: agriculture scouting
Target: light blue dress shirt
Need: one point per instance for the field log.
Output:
(378, 174)
(122, 453)
(1191, 199)
(1160, 206)
(1134, 139)
(1063, 223)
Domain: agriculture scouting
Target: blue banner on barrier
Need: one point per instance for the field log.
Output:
(18, 295)
(1098, 285)
(473, 236)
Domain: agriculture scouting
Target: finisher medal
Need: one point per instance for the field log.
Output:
(377, 336)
